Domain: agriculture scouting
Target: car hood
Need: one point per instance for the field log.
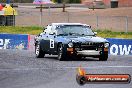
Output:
(66, 39)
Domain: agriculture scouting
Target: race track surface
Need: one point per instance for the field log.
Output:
(20, 69)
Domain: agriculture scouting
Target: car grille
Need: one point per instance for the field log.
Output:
(89, 46)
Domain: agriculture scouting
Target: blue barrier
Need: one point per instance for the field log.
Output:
(17, 41)
(13, 41)
(120, 46)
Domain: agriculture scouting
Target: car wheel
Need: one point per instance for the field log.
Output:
(103, 57)
(60, 53)
(39, 52)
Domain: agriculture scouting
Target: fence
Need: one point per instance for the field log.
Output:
(7, 20)
(33, 17)
(116, 23)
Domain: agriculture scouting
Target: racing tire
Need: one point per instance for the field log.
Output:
(103, 57)
(61, 55)
(38, 51)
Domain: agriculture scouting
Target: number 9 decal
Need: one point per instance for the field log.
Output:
(51, 43)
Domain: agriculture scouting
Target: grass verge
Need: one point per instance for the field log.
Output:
(21, 30)
(34, 30)
(110, 34)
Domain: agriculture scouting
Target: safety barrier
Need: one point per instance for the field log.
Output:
(17, 41)
(117, 46)
(120, 46)
(13, 41)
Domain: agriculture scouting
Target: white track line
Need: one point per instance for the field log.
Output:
(103, 67)
(59, 68)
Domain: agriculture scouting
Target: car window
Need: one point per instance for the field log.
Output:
(74, 30)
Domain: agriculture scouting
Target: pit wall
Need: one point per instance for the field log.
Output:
(26, 42)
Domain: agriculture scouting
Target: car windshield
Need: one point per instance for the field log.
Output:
(77, 30)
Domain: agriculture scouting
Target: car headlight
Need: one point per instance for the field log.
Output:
(106, 45)
(70, 44)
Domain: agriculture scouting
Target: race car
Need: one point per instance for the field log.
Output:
(68, 40)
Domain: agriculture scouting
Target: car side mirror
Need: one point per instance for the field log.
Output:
(95, 33)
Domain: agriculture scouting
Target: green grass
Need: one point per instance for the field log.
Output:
(21, 30)
(34, 30)
(110, 34)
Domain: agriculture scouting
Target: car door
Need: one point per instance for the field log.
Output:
(49, 44)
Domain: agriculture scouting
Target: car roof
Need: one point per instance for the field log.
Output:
(69, 24)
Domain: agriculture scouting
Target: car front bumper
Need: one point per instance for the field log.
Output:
(88, 53)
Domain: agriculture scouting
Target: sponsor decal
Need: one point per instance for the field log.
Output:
(4, 43)
(120, 46)
(83, 78)
(12, 41)
(121, 49)
(51, 43)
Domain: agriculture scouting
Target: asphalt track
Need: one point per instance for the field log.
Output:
(20, 69)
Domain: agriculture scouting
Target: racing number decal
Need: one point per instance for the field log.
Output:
(51, 43)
